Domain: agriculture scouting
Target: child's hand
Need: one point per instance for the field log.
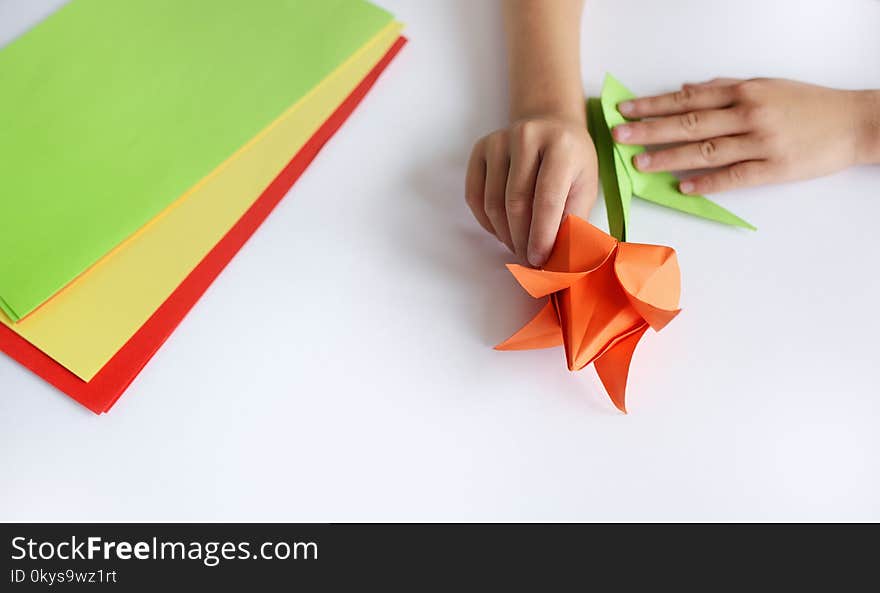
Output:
(523, 179)
(752, 132)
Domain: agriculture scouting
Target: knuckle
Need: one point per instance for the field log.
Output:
(495, 211)
(689, 122)
(564, 139)
(748, 89)
(517, 210)
(684, 96)
(496, 144)
(771, 143)
(517, 203)
(567, 147)
(549, 200)
(738, 174)
(756, 115)
(524, 132)
(708, 150)
(478, 154)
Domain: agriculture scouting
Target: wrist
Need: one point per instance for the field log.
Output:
(867, 127)
(572, 111)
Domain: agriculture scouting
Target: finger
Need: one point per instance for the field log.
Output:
(715, 152)
(582, 195)
(524, 162)
(475, 185)
(694, 98)
(552, 188)
(497, 166)
(714, 82)
(694, 125)
(743, 174)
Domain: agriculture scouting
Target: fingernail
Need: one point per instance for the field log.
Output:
(643, 160)
(536, 259)
(626, 107)
(686, 187)
(622, 132)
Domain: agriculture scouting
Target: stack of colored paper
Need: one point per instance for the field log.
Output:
(141, 143)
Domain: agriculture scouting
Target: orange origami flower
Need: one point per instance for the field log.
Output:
(604, 294)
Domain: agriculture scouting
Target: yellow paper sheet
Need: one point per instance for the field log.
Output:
(83, 326)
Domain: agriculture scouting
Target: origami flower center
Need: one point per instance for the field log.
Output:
(593, 312)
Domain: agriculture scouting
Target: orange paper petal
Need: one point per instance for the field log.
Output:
(613, 366)
(540, 283)
(542, 331)
(579, 247)
(651, 278)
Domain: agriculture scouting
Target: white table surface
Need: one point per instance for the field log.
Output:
(380, 397)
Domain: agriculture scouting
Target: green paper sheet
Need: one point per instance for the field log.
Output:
(660, 187)
(112, 110)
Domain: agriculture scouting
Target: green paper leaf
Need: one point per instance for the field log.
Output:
(661, 187)
(624, 186)
(611, 184)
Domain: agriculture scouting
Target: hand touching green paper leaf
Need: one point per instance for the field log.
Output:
(621, 180)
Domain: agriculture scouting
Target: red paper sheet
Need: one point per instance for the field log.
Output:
(108, 385)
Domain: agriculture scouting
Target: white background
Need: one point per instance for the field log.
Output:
(378, 395)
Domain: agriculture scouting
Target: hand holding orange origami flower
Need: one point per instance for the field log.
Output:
(604, 294)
